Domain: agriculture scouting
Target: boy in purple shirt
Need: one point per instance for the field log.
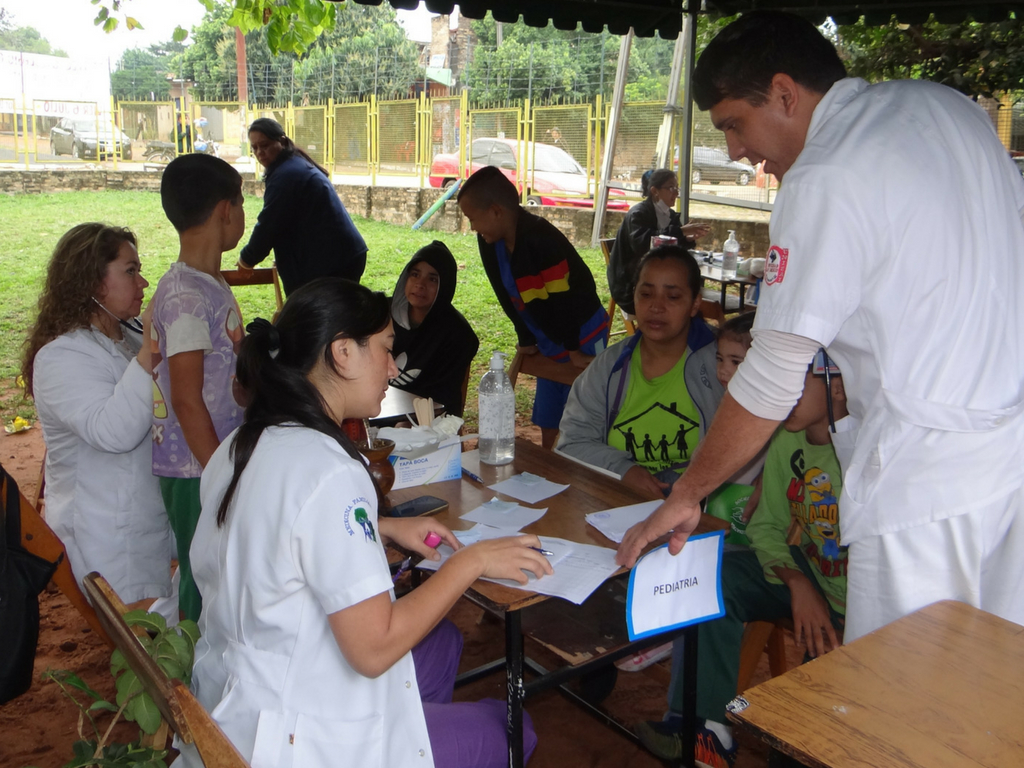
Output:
(197, 329)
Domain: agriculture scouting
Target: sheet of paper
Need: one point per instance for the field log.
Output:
(667, 592)
(507, 515)
(528, 487)
(579, 569)
(614, 523)
(479, 532)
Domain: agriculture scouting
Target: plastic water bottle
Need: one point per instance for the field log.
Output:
(497, 413)
(730, 256)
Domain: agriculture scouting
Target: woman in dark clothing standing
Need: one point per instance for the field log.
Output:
(652, 216)
(302, 220)
(434, 344)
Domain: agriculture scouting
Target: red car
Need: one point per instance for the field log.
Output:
(557, 179)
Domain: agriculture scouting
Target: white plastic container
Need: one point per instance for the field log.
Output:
(497, 413)
(730, 256)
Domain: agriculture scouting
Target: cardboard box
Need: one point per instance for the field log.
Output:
(445, 463)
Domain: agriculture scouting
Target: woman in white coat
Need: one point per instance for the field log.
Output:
(90, 375)
(306, 657)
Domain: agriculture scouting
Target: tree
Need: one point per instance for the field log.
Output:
(551, 64)
(141, 76)
(365, 52)
(976, 59)
(291, 26)
(25, 39)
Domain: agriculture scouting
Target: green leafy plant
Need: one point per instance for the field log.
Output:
(173, 649)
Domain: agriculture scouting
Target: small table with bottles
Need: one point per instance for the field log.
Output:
(712, 272)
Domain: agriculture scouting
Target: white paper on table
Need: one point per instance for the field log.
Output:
(479, 532)
(667, 592)
(579, 569)
(527, 487)
(614, 523)
(507, 515)
(559, 548)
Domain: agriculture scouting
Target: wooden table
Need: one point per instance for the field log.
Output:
(547, 619)
(940, 688)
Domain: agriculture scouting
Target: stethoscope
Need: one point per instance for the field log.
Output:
(133, 325)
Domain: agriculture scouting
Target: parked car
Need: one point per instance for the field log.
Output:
(1019, 160)
(557, 178)
(714, 165)
(79, 138)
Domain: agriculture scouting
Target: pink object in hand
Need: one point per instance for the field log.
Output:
(432, 540)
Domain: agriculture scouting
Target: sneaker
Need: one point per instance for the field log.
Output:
(662, 739)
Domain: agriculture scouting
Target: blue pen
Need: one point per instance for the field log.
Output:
(401, 569)
(471, 476)
(543, 551)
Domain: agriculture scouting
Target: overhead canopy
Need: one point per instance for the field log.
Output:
(647, 17)
(875, 11)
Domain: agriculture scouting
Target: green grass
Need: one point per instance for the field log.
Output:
(30, 226)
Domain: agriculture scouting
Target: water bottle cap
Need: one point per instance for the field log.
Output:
(498, 361)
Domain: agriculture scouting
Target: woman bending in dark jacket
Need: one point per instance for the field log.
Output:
(302, 220)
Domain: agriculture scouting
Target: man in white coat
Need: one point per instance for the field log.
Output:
(897, 243)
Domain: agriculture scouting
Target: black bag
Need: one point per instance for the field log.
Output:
(22, 577)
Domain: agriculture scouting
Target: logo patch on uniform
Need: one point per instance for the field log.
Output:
(775, 265)
(367, 524)
(357, 512)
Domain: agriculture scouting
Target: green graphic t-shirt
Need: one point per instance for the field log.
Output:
(658, 424)
(801, 482)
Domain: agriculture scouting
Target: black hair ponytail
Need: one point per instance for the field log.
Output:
(276, 358)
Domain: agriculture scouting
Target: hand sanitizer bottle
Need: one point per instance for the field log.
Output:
(730, 256)
(497, 413)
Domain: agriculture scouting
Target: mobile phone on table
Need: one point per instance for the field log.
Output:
(421, 505)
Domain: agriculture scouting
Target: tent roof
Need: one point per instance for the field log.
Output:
(666, 16)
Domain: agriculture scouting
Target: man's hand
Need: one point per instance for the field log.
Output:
(674, 514)
(243, 267)
(580, 359)
(812, 625)
(643, 482)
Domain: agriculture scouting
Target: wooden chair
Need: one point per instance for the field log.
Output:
(178, 707)
(766, 636)
(268, 276)
(630, 326)
(38, 538)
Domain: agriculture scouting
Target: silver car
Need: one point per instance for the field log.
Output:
(80, 138)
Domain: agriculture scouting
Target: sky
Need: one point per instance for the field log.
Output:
(68, 24)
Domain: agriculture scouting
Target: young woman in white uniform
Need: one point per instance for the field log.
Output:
(306, 657)
(91, 378)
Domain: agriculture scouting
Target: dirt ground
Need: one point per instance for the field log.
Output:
(38, 728)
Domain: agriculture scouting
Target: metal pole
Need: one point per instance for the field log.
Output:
(601, 200)
(689, 32)
(529, 87)
(664, 152)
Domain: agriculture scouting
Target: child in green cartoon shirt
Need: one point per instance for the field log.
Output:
(773, 579)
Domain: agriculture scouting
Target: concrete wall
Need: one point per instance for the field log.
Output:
(394, 205)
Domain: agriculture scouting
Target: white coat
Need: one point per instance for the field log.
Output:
(299, 543)
(102, 500)
(897, 242)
